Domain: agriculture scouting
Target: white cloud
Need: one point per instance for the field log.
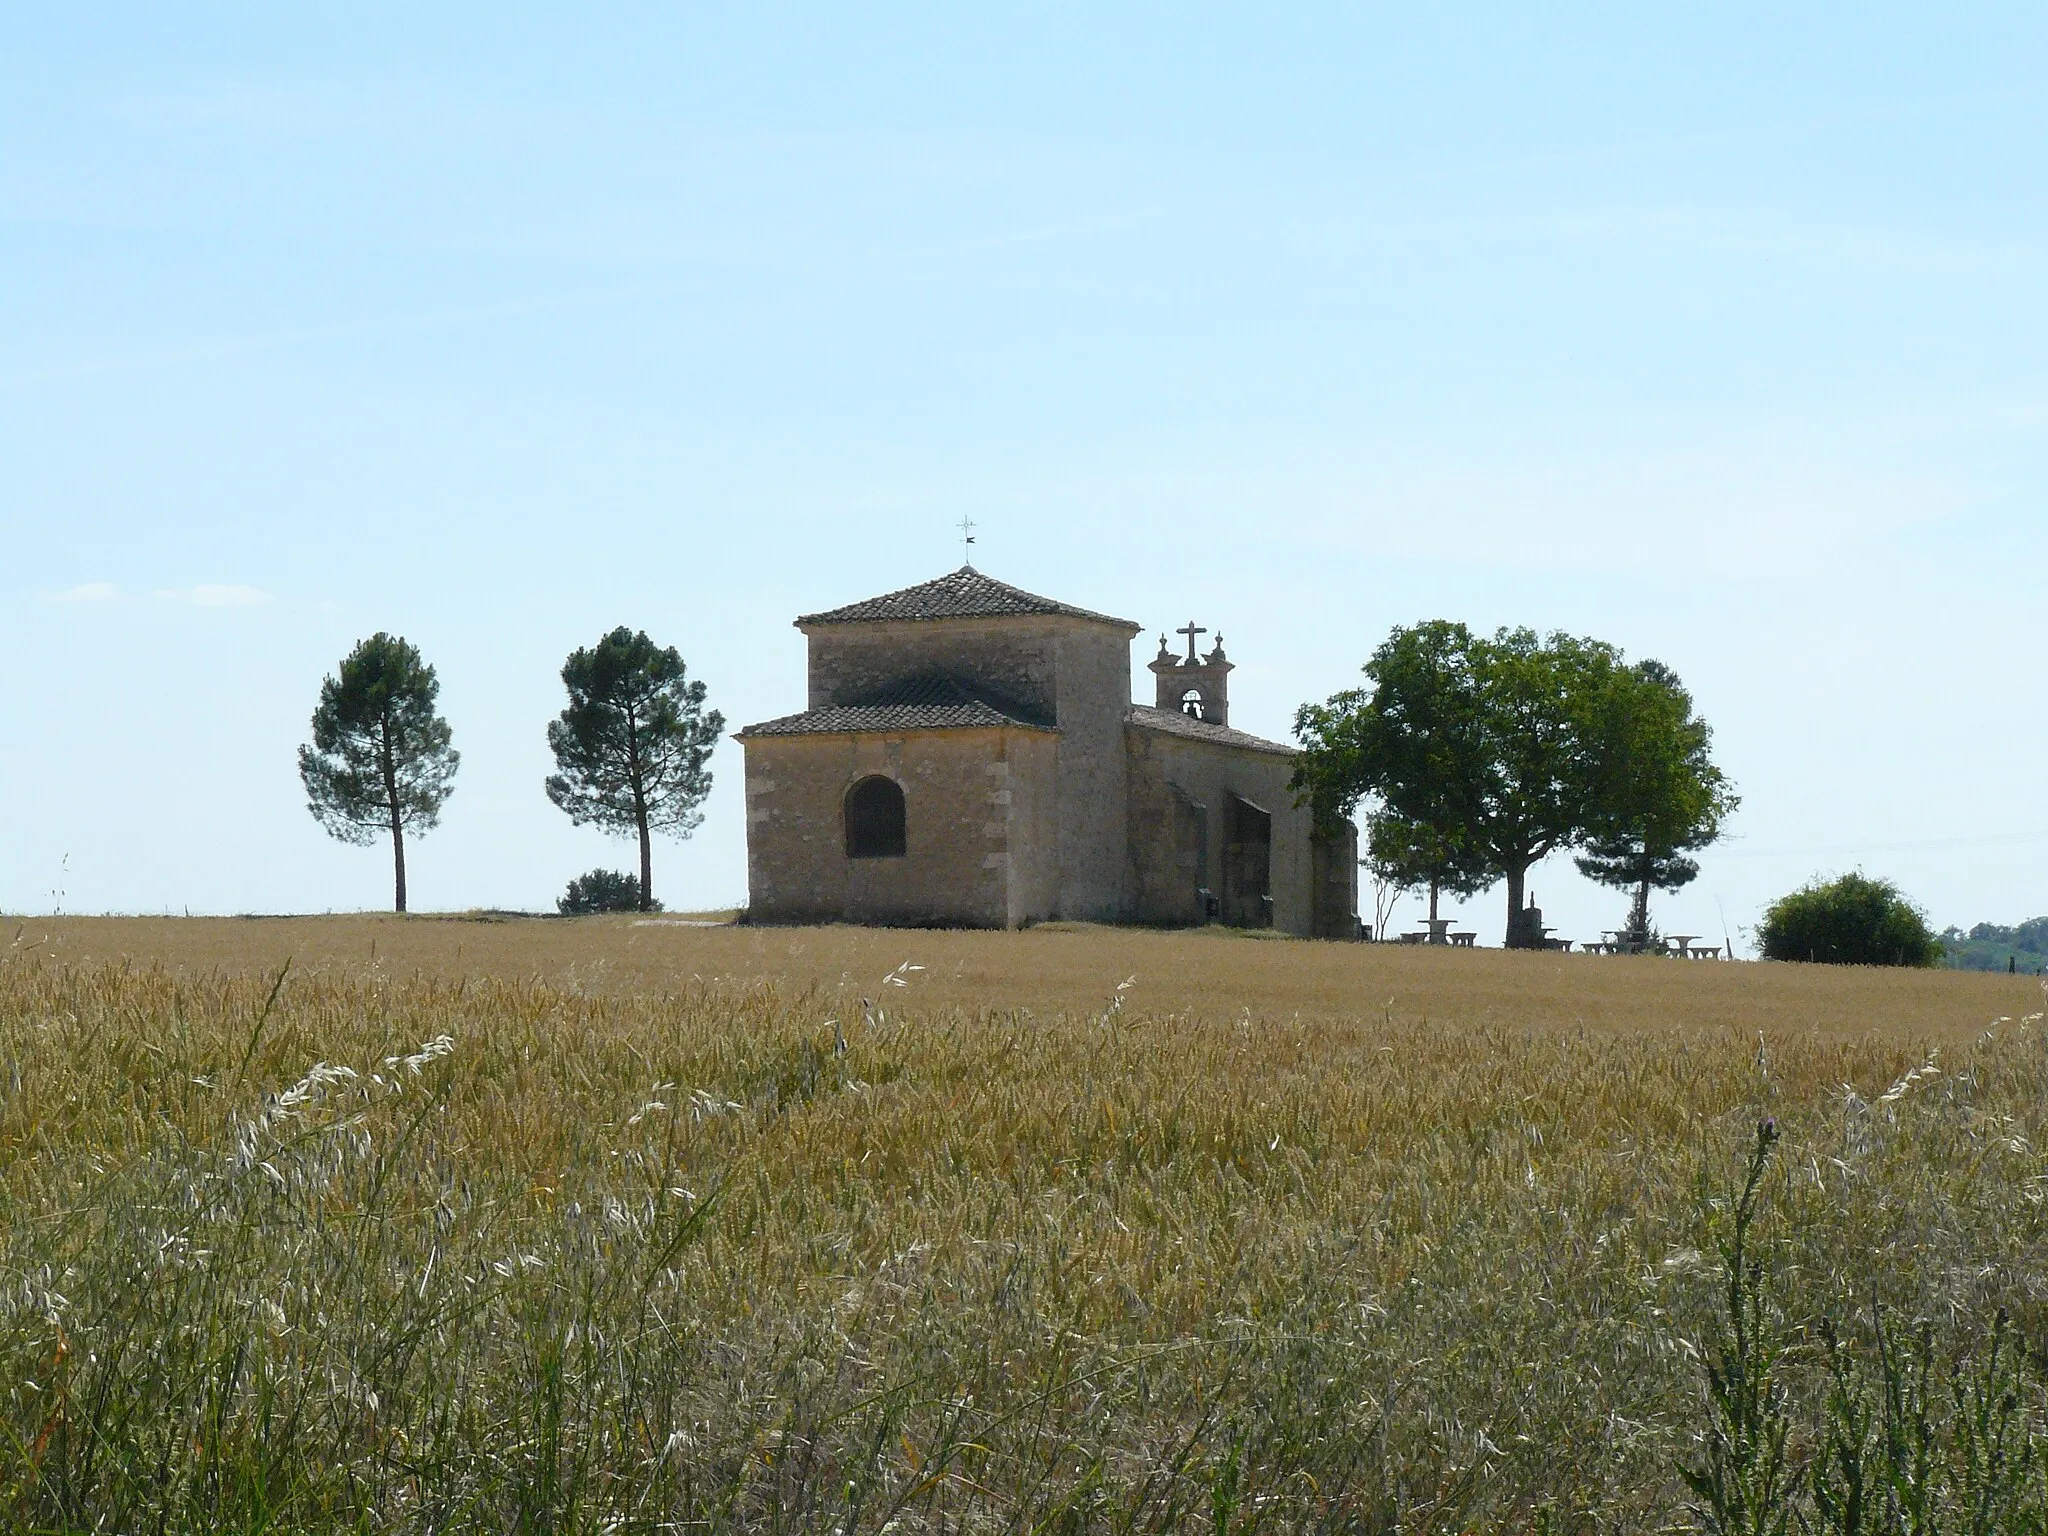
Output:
(217, 596)
(88, 592)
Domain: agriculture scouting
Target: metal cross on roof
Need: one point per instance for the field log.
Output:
(966, 541)
(1191, 629)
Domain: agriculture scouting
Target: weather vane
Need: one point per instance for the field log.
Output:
(967, 541)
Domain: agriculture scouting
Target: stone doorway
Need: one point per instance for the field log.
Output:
(1248, 865)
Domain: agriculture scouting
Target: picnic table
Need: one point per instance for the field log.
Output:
(1689, 947)
(1686, 946)
(1434, 930)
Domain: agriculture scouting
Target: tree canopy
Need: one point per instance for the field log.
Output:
(631, 748)
(380, 760)
(1413, 855)
(1484, 754)
(1853, 920)
(1661, 796)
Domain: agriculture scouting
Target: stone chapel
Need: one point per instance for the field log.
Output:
(971, 756)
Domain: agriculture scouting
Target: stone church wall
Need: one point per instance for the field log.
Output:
(1030, 777)
(1336, 884)
(980, 815)
(1073, 672)
(1168, 847)
(1014, 658)
(1207, 774)
(1094, 675)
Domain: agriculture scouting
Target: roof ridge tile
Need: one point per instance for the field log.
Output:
(962, 594)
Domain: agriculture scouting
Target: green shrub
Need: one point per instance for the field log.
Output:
(1854, 920)
(603, 890)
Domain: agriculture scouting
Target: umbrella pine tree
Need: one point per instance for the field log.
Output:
(380, 760)
(632, 748)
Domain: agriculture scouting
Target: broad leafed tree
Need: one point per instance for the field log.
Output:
(1662, 796)
(1540, 711)
(1506, 749)
(1414, 855)
(380, 760)
(1409, 743)
(632, 747)
(1416, 746)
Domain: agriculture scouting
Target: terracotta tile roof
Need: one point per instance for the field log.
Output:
(1171, 722)
(965, 594)
(929, 703)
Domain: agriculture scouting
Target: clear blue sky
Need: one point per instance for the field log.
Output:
(1717, 332)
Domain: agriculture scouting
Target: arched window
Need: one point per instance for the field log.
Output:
(874, 819)
(1191, 703)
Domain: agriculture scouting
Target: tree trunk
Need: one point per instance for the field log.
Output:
(1432, 904)
(390, 768)
(1516, 937)
(634, 770)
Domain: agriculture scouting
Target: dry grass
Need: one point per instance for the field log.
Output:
(1212, 973)
(678, 1228)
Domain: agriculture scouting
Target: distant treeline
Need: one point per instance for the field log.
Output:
(1989, 947)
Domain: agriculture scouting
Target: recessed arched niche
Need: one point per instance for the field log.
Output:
(875, 819)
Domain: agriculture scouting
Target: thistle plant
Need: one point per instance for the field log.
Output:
(1746, 1487)
(1846, 1490)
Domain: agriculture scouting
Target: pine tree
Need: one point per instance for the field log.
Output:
(380, 759)
(632, 746)
(1660, 793)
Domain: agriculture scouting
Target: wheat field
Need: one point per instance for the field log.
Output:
(521, 1225)
(1213, 973)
